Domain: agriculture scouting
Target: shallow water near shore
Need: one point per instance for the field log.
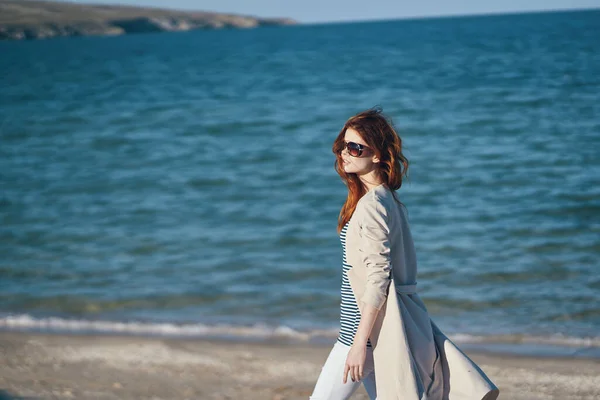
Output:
(183, 184)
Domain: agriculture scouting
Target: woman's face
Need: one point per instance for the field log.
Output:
(363, 164)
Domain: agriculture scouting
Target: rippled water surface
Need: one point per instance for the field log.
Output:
(184, 182)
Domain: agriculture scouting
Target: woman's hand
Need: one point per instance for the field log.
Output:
(355, 362)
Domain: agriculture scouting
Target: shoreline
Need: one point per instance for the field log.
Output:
(514, 344)
(42, 365)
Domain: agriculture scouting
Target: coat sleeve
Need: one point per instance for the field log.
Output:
(374, 249)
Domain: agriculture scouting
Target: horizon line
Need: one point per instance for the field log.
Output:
(343, 21)
(450, 16)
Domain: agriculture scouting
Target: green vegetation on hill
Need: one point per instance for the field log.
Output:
(33, 19)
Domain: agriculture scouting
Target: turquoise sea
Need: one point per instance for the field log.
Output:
(183, 183)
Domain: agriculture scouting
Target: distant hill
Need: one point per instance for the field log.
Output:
(33, 19)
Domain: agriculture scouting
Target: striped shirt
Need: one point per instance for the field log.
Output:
(349, 312)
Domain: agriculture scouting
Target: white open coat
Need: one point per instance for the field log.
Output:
(413, 359)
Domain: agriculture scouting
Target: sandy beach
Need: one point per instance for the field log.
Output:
(49, 366)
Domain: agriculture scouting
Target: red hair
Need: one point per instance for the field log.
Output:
(379, 134)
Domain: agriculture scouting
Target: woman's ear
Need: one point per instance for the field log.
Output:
(375, 159)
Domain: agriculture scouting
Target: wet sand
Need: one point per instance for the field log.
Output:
(47, 366)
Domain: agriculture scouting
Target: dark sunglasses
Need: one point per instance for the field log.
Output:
(354, 149)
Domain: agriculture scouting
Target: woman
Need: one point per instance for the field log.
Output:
(387, 340)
